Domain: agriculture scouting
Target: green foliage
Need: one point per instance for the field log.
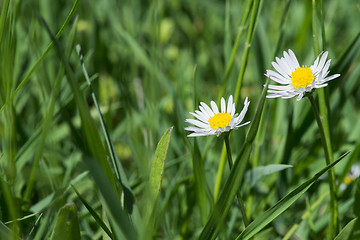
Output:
(104, 127)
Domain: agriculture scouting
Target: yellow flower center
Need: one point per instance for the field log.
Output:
(348, 180)
(219, 120)
(302, 77)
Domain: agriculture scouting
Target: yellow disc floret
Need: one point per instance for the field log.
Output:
(219, 120)
(302, 77)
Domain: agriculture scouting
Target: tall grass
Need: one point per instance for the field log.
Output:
(100, 142)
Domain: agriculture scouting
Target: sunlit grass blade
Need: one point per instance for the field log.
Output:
(67, 224)
(232, 184)
(345, 234)
(153, 189)
(94, 214)
(260, 222)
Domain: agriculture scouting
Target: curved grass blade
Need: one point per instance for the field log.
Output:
(67, 224)
(259, 223)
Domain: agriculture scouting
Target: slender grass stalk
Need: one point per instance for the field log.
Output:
(239, 199)
(235, 47)
(333, 202)
(322, 119)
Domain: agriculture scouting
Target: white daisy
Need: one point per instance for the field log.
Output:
(212, 122)
(296, 80)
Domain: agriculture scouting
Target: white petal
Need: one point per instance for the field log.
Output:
(321, 85)
(194, 129)
(204, 112)
(198, 117)
(279, 87)
(233, 110)
(230, 104)
(300, 97)
(207, 109)
(285, 65)
(214, 107)
(200, 134)
(223, 105)
(197, 123)
(294, 59)
(241, 125)
(277, 77)
(273, 95)
(202, 116)
(321, 63)
(280, 70)
(331, 77)
(289, 61)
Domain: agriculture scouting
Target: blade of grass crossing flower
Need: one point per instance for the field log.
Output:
(345, 234)
(97, 161)
(259, 223)
(154, 184)
(233, 182)
(250, 5)
(67, 224)
(94, 214)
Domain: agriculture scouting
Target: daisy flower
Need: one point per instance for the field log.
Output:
(212, 122)
(296, 80)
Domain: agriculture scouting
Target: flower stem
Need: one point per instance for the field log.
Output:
(333, 201)
(240, 201)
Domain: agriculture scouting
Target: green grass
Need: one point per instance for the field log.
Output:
(128, 173)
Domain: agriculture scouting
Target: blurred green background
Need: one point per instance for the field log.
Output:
(141, 56)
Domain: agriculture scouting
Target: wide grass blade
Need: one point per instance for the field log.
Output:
(345, 234)
(259, 223)
(67, 224)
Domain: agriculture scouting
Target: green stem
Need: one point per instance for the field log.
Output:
(239, 199)
(333, 201)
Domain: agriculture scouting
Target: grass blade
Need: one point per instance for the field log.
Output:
(155, 180)
(347, 230)
(94, 214)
